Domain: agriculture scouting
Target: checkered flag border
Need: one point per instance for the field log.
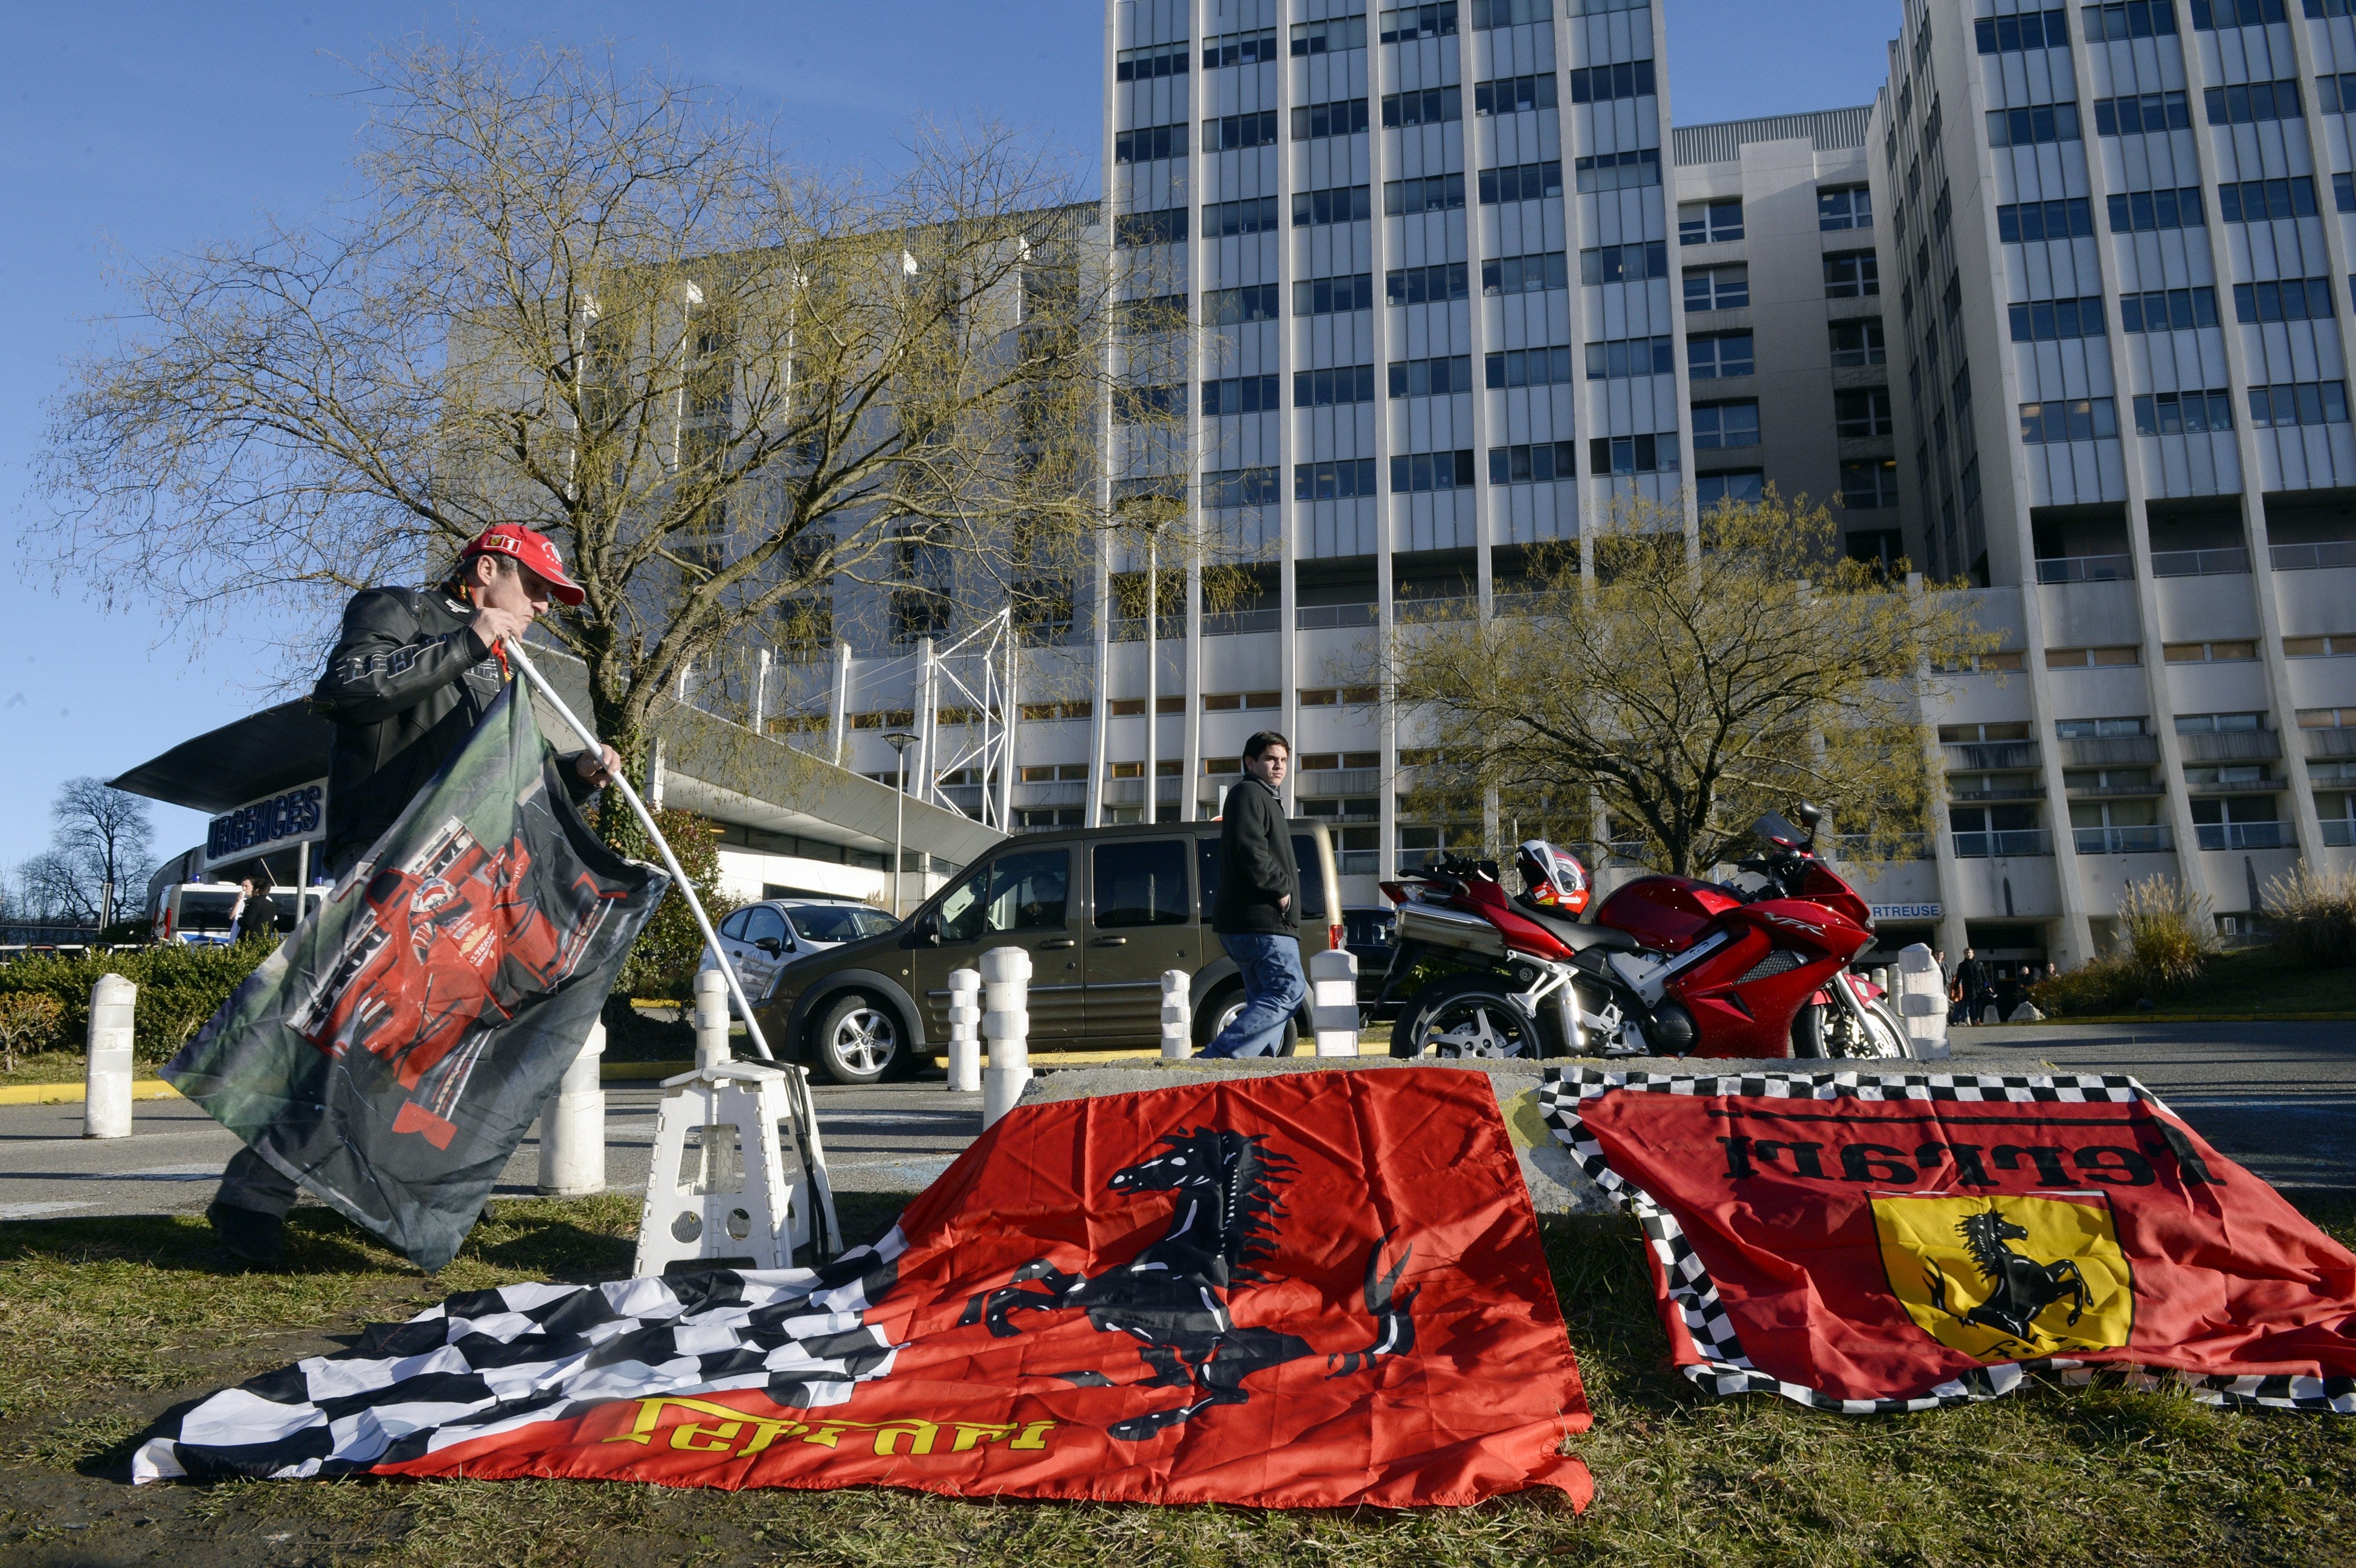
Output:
(1726, 1370)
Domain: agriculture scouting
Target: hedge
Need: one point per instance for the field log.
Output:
(179, 988)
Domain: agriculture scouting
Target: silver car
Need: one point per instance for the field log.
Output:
(761, 938)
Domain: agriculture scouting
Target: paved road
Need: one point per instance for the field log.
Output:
(2281, 1098)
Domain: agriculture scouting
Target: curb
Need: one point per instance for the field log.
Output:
(73, 1093)
(2189, 1018)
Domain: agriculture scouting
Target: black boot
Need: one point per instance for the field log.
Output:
(248, 1234)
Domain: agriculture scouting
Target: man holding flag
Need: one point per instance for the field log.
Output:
(413, 675)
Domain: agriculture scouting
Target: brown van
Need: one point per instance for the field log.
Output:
(1103, 912)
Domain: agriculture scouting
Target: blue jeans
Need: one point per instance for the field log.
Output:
(1273, 987)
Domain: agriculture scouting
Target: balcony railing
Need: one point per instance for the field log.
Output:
(2235, 746)
(2221, 562)
(1864, 849)
(1991, 757)
(1236, 622)
(1331, 617)
(2122, 840)
(2339, 832)
(1412, 611)
(1167, 628)
(2339, 742)
(2309, 557)
(2003, 846)
(2086, 569)
(2244, 835)
(1356, 863)
(2108, 751)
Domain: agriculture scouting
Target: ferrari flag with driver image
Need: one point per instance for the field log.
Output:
(1868, 1244)
(391, 1053)
(1308, 1291)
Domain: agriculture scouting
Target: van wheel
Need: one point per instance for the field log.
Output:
(859, 1040)
(1220, 1010)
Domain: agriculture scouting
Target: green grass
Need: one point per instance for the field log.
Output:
(112, 1322)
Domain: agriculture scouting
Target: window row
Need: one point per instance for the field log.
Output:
(2027, 30)
(2049, 321)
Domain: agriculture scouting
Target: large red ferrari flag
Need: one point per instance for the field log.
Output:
(1874, 1243)
(1310, 1291)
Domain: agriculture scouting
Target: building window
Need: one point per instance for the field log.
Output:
(1708, 358)
(2339, 646)
(2032, 125)
(1718, 288)
(918, 613)
(1142, 405)
(1410, 23)
(1239, 48)
(1148, 143)
(1434, 193)
(1339, 481)
(1166, 227)
(1870, 483)
(2336, 95)
(1441, 282)
(1342, 203)
(1862, 412)
(2256, 201)
(1529, 367)
(1429, 378)
(1334, 296)
(1601, 83)
(1042, 610)
(2081, 419)
(1487, 14)
(1329, 37)
(1540, 463)
(2167, 310)
(1430, 106)
(2094, 658)
(1222, 219)
(1232, 307)
(2050, 321)
(1242, 395)
(2029, 30)
(1344, 117)
(1708, 222)
(1624, 264)
(1144, 65)
(1329, 388)
(1415, 473)
(1845, 207)
(1512, 94)
(2209, 653)
(2184, 413)
(1716, 425)
(1606, 171)
(1857, 343)
(2288, 299)
(1629, 357)
(1851, 274)
(2302, 402)
(1231, 131)
(2245, 103)
(2144, 211)
(2135, 113)
(1740, 486)
(1525, 274)
(2071, 217)
(1530, 182)
(2134, 19)
(1617, 454)
(1239, 487)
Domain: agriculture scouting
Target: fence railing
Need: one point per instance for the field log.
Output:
(1865, 849)
(2122, 840)
(2309, 557)
(1330, 617)
(2086, 569)
(2003, 846)
(2244, 835)
(2339, 832)
(2221, 563)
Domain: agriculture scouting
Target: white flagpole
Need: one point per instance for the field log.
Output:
(806, 1113)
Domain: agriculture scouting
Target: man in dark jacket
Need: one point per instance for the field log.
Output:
(414, 671)
(1258, 911)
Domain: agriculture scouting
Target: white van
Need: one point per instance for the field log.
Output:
(196, 914)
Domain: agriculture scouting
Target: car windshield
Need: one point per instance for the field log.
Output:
(840, 923)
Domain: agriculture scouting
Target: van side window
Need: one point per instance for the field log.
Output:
(1026, 891)
(733, 926)
(764, 921)
(1313, 879)
(1207, 872)
(1142, 884)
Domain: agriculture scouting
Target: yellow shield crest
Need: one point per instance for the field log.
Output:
(2006, 1278)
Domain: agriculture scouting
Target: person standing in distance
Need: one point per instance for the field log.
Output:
(415, 670)
(1258, 911)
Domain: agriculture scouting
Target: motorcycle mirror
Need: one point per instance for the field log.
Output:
(1809, 816)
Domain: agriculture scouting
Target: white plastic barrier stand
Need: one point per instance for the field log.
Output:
(1177, 1015)
(106, 1081)
(1006, 1024)
(711, 1017)
(733, 1199)
(1333, 1001)
(1921, 1003)
(573, 1125)
(965, 1031)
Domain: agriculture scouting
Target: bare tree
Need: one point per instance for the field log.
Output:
(51, 886)
(105, 836)
(1685, 692)
(609, 308)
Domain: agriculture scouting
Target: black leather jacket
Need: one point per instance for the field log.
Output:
(407, 682)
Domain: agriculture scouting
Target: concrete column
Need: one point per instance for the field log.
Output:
(1333, 1001)
(106, 1077)
(1006, 1024)
(710, 1018)
(1177, 1015)
(964, 1024)
(573, 1125)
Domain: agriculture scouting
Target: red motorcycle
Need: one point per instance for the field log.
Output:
(1667, 965)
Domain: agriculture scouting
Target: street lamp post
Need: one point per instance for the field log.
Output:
(899, 740)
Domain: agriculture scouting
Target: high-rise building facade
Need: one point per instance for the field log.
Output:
(2059, 313)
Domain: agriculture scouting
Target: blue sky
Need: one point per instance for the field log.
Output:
(131, 131)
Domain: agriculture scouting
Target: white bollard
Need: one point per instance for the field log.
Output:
(573, 1125)
(1177, 1015)
(965, 1036)
(1921, 1000)
(711, 1019)
(1006, 1024)
(1333, 1001)
(106, 1081)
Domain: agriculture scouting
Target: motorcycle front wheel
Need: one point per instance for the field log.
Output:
(1820, 1032)
(1466, 1016)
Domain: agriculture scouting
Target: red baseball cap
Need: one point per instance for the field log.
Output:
(531, 548)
